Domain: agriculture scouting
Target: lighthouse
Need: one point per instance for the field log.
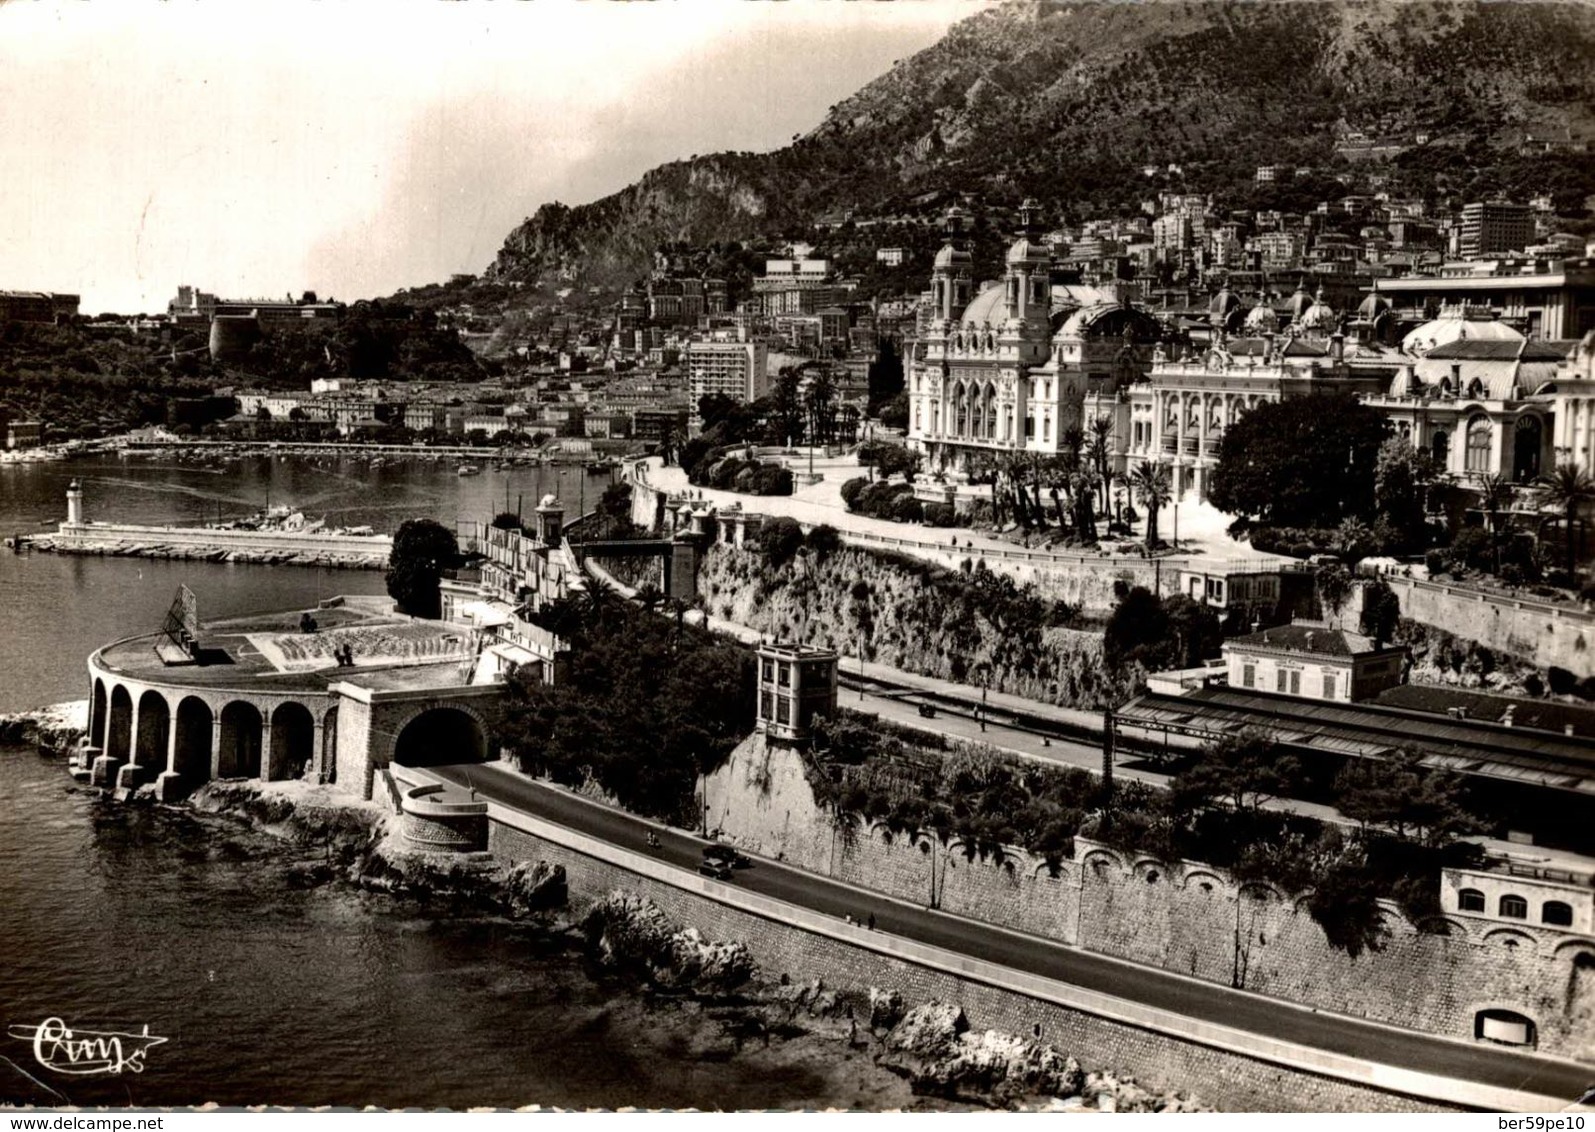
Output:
(74, 504)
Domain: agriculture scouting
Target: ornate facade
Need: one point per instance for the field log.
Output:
(1007, 370)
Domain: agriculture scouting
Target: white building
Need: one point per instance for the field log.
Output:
(739, 370)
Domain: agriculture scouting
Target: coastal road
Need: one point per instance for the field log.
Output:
(1209, 1002)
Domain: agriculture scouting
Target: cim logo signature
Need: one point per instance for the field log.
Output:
(86, 1053)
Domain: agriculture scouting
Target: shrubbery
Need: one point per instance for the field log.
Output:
(894, 501)
(645, 705)
(864, 770)
(749, 477)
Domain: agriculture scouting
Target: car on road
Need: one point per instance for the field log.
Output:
(727, 856)
(715, 869)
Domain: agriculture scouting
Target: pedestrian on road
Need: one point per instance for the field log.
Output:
(872, 921)
(848, 916)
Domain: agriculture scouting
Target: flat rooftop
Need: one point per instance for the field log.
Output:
(1469, 746)
(269, 651)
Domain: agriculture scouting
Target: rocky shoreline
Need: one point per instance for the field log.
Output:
(867, 1036)
(56, 727)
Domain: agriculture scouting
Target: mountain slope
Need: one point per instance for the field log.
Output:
(1067, 101)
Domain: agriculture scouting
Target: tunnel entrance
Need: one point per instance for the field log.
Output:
(441, 736)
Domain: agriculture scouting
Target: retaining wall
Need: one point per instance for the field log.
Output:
(1543, 634)
(1228, 1080)
(1181, 916)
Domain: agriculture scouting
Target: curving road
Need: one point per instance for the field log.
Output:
(1207, 1001)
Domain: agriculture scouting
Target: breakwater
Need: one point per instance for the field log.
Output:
(209, 544)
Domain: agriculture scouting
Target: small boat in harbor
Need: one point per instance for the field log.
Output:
(469, 470)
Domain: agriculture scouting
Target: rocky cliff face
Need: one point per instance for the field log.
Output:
(917, 618)
(1068, 101)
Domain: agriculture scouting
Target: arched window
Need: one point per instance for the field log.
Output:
(1440, 444)
(1470, 900)
(1556, 912)
(1514, 908)
(1526, 449)
(1480, 441)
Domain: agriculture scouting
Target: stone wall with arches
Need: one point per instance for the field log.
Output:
(1182, 916)
(179, 735)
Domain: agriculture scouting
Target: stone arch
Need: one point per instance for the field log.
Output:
(1051, 871)
(1100, 859)
(1151, 870)
(239, 753)
(195, 723)
(1261, 890)
(1528, 442)
(1198, 877)
(437, 736)
(293, 740)
(1444, 925)
(1504, 1025)
(119, 724)
(1509, 938)
(97, 709)
(154, 729)
(329, 745)
(1571, 949)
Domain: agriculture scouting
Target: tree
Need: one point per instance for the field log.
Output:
(885, 375)
(1404, 799)
(1381, 612)
(894, 412)
(1098, 448)
(1495, 494)
(780, 539)
(1150, 483)
(1332, 581)
(1194, 631)
(1403, 476)
(823, 541)
(643, 708)
(1568, 489)
(422, 550)
(1243, 770)
(1302, 462)
(1137, 631)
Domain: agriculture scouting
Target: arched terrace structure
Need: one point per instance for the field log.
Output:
(239, 753)
(439, 736)
(191, 751)
(293, 739)
(119, 725)
(150, 742)
(97, 709)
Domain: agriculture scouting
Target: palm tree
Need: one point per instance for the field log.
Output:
(1100, 448)
(650, 597)
(1150, 483)
(670, 446)
(1568, 488)
(1495, 493)
(600, 600)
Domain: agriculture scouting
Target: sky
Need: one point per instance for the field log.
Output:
(256, 148)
